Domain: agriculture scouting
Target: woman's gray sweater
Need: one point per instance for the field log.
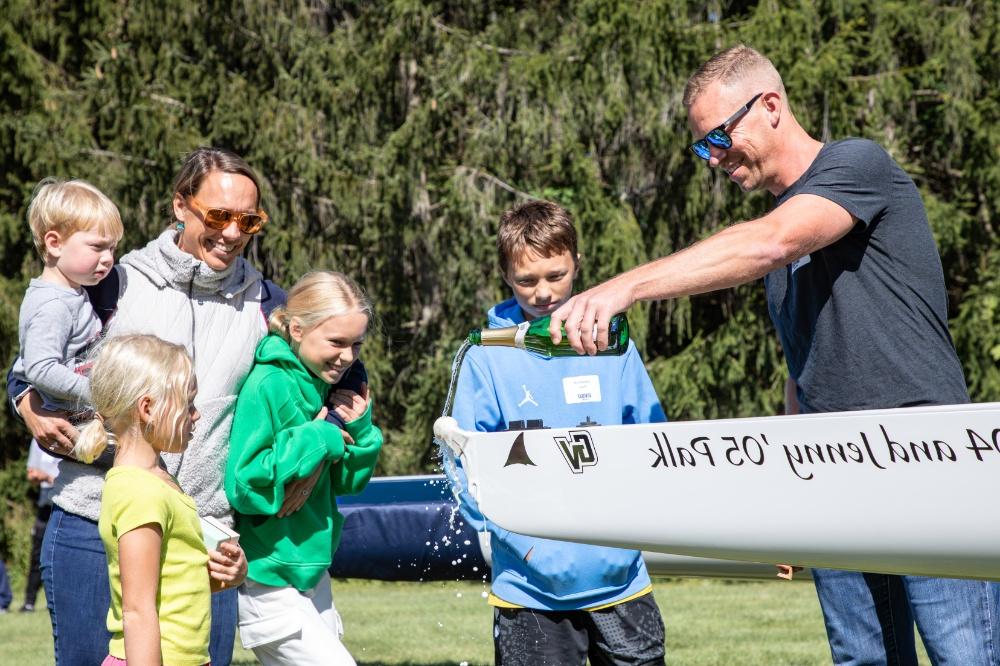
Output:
(217, 316)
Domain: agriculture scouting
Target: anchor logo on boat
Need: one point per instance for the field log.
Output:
(578, 450)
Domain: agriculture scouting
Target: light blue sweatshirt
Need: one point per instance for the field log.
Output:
(498, 385)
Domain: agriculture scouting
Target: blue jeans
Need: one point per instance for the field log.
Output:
(869, 619)
(75, 576)
(224, 613)
(5, 594)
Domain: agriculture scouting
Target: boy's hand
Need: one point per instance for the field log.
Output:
(348, 404)
(786, 571)
(227, 567)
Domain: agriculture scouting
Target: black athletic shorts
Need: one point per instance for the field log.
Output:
(626, 633)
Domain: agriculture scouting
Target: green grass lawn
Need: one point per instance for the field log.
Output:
(708, 622)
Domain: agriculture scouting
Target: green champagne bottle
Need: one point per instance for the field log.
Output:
(534, 337)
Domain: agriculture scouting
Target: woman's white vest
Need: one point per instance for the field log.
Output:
(217, 316)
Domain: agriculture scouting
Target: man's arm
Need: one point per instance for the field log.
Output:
(736, 255)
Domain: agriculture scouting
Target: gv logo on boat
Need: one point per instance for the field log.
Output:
(578, 450)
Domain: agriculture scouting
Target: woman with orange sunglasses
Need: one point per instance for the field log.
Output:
(190, 286)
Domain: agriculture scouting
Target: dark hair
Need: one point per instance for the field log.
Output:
(541, 226)
(203, 161)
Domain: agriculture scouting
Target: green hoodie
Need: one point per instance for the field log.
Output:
(275, 439)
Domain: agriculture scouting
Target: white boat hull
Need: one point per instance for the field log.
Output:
(904, 491)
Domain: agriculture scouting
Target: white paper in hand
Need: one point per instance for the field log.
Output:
(215, 533)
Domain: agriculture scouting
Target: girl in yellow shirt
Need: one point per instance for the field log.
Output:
(143, 390)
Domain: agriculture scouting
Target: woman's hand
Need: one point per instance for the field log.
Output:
(227, 567)
(297, 492)
(36, 477)
(348, 404)
(52, 430)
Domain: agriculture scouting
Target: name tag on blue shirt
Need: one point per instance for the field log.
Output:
(585, 388)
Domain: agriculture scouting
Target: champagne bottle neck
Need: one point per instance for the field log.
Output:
(512, 336)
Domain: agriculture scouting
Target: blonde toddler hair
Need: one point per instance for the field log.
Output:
(70, 206)
(126, 369)
(316, 297)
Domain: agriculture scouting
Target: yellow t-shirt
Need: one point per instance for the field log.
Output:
(134, 497)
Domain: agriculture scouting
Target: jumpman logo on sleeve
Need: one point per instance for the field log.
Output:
(527, 397)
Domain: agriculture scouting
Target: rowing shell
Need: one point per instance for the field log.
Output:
(904, 491)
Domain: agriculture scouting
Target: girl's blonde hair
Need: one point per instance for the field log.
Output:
(126, 369)
(70, 206)
(316, 297)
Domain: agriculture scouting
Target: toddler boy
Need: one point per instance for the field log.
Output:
(75, 228)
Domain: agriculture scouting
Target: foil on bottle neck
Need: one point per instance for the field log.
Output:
(497, 337)
(510, 336)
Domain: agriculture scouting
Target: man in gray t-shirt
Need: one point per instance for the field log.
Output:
(856, 290)
(864, 321)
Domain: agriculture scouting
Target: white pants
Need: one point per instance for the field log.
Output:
(285, 627)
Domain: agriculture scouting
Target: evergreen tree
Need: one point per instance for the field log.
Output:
(390, 136)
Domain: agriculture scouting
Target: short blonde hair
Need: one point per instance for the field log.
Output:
(70, 206)
(316, 297)
(732, 65)
(543, 227)
(126, 369)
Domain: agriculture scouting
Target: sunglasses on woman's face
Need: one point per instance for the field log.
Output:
(220, 218)
(719, 137)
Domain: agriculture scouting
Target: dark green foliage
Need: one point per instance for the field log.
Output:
(391, 135)
(16, 516)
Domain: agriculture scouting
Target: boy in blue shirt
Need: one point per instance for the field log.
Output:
(556, 602)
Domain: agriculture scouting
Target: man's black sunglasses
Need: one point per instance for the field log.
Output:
(719, 137)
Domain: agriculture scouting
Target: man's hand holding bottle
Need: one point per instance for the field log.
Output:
(586, 316)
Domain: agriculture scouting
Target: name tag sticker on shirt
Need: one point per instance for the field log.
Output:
(800, 262)
(585, 388)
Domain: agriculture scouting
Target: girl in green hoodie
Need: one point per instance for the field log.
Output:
(279, 437)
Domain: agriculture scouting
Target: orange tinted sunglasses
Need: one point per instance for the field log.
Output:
(220, 218)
